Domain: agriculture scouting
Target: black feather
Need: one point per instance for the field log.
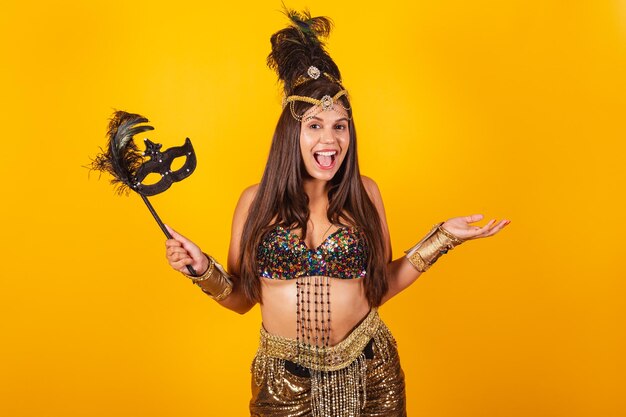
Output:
(299, 46)
(122, 158)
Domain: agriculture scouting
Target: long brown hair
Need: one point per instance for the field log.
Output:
(281, 199)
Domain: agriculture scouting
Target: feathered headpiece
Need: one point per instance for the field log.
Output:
(299, 47)
(298, 56)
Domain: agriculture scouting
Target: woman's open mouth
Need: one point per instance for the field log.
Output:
(325, 159)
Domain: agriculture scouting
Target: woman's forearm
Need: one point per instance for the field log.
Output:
(400, 275)
(405, 270)
(236, 300)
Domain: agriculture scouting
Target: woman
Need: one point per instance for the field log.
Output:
(310, 243)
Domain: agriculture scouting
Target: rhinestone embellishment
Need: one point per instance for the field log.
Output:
(313, 72)
(326, 102)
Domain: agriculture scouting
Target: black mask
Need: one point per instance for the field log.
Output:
(161, 163)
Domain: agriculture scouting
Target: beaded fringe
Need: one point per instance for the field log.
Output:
(269, 369)
(340, 393)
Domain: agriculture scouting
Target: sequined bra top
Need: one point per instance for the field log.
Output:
(284, 255)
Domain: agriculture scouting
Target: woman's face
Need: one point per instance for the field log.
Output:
(324, 141)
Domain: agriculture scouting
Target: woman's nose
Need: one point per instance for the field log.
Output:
(327, 136)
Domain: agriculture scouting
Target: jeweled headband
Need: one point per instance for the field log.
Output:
(325, 103)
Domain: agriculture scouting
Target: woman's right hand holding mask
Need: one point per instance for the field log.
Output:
(181, 252)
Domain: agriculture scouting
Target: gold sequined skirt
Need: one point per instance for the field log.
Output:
(360, 376)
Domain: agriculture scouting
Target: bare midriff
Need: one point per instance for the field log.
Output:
(348, 307)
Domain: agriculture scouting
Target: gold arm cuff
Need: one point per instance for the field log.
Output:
(436, 243)
(417, 261)
(215, 281)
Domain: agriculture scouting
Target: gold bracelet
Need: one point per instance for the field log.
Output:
(217, 282)
(436, 243)
(205, 275)
(455, 240)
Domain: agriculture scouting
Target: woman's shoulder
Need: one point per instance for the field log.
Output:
(250, 191)
(248, 194)
(367, 181)
(371, 187)
(245, 201)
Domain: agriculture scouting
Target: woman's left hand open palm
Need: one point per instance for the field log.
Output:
(461, 227)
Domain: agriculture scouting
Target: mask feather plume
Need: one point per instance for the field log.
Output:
(122, 158)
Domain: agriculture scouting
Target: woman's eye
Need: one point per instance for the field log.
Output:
(340, 127)
(314, 126)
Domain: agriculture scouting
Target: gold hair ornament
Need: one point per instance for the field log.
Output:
(313, 73)
(325, 103)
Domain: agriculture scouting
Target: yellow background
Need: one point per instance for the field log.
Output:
(514, 109)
